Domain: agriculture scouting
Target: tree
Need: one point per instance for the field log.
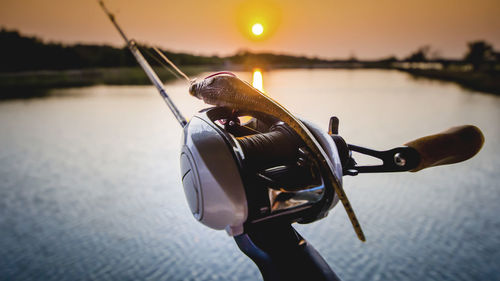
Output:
(479, 53)
(420, 55)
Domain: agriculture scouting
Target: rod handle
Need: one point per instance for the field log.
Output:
(454, 145)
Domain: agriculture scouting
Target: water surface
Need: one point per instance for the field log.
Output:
(90, 188)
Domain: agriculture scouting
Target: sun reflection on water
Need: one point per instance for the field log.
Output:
(257, 81)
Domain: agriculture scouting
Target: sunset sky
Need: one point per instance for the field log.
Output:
(328, 29)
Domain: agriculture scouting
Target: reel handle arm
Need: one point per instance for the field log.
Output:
(399, 159)
(454, 145)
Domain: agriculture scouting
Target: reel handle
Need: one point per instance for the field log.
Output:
(454, 145)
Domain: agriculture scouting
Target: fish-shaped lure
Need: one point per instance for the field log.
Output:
(225, 89)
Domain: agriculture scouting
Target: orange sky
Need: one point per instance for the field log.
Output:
(329, 28)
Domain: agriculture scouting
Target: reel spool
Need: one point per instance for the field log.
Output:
(237, 175)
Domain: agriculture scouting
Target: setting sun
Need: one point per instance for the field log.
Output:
(257, 29)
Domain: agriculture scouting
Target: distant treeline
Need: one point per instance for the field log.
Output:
(480, 56)
(479, 69)
(23, 53)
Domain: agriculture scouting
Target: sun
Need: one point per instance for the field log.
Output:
(257, 29)
(258, 20)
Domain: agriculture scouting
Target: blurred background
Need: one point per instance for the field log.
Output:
(89, 154)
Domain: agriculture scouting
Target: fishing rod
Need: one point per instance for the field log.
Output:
(255, 178)
(146, 67)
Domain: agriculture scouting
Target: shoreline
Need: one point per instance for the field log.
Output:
(486, 82)
(38, 83)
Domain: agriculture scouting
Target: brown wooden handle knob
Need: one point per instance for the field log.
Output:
(451, 146)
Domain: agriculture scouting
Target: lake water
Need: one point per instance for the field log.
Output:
(90, 185)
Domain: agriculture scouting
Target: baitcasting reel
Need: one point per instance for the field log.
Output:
(238, 174)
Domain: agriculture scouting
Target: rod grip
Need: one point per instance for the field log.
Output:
(454, 145)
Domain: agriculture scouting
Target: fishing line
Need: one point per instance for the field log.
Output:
(172, 64)
(161, 62)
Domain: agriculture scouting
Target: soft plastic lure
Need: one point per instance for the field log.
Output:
(225, 89)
